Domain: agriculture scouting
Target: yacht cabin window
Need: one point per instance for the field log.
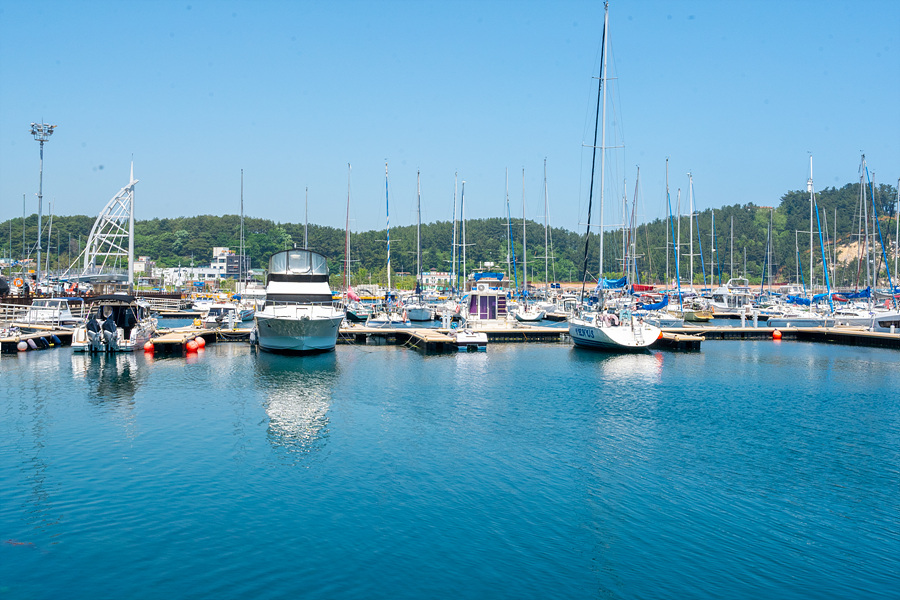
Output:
(298, 262)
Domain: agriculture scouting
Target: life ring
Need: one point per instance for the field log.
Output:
(18, 282)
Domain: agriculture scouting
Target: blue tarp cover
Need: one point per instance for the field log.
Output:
(610, 284)
(798, 300)
(658, 305)
(498, 276)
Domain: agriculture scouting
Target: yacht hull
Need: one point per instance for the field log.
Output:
(301, 329)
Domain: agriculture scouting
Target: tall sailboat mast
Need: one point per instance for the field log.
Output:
(896, 234)
(306, 221)
(887, 265)
(524, 244)
(241, 277)
(601, 92)
(346, 282)
(731, 273)
(387, 212)
(511, 267)
(462, 218)
(418, 225)
(691, 222)
(546, 234)
(603, 73)
(453, 282)
(809, 188)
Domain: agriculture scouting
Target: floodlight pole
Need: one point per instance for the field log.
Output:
(42, 133)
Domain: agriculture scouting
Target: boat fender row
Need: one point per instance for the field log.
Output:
(38, 343)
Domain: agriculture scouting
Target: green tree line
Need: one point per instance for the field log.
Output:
(186, 240)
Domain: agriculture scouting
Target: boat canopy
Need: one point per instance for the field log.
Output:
(611, 284)
(298, 262)
(798, 300)
(124, 298)
(658, 305)
(497, 276)
(866, 293)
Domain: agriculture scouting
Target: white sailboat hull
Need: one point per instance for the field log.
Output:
(299, 328)
(419, 313)
(529, 316)
(629, 337)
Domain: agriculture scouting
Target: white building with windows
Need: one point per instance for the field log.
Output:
(435, 280)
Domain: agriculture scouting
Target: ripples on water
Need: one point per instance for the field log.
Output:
(751, 469)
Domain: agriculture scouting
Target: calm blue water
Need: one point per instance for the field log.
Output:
(749, 470)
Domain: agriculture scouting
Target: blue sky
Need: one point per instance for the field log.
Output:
(738, 93)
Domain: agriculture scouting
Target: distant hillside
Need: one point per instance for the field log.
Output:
(179, 241)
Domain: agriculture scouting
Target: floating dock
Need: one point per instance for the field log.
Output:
(851, 336)
(175, 341)
(36, 341)
(437, 341)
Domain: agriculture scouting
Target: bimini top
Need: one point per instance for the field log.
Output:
(298, 276)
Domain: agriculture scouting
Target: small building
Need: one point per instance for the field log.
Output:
(435, 280)
(227, 263)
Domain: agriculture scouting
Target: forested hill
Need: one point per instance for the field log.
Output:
(178, 241)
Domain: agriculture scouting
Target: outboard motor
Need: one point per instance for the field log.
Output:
(110, 334)
(4, 287)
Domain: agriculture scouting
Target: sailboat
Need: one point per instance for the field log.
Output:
(388, 317)
(602, 330)
(523, 312)
(416, 309)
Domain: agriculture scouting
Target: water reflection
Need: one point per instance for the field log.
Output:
(643, 367)
(112, 380)
(298, 391)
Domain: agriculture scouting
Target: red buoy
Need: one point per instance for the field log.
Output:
(148, 347)
(776, 335)
(191, 346)
(201, 343)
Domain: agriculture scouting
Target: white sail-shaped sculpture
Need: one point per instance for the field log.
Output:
(112, 237)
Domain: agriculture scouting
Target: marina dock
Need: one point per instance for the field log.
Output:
(439, 341)
(175, 341)
(436, 341)
(851, 336)
(39, 340)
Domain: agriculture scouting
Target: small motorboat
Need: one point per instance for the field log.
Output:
(468, 340)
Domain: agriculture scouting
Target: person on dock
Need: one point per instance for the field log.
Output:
(93, 331)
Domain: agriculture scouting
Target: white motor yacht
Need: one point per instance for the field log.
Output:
(299, 316)
(53, 312)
